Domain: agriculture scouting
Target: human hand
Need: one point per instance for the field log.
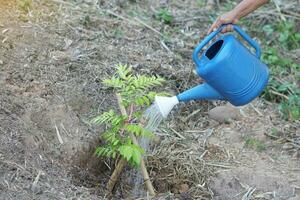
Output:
(230, 17)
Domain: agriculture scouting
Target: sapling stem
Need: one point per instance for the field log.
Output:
(121, 164)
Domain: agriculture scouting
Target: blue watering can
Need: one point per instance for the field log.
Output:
(230, 70)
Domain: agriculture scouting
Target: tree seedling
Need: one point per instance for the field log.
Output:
(134, 93)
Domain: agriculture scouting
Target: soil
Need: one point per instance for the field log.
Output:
(273, 173)
(54, 55)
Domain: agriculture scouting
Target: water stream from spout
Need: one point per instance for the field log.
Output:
(138, 180)
(153, 117)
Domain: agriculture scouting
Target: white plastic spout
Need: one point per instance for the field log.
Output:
(166, 104)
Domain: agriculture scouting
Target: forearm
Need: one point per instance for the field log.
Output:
(247, 6)
(232, 17)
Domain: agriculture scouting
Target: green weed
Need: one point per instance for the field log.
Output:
(288, 97)
(86, 21)
(118, 33)
(255, 144)
(164, 15)
(200, 3)
(290, 108)
(288, 36)
(285, 34)
(277, 91)
(280, 66)
(274, 131)
(25, 5)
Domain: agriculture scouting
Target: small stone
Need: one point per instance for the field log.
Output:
(224, 113)
(1, 62)
(183, 188)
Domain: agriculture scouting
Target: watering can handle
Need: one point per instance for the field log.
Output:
(214, 33)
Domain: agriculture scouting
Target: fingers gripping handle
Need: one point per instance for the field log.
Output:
(214, 33)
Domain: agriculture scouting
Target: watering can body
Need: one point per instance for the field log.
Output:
(230, 70)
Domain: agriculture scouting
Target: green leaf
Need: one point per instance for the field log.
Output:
(297, 37)
(284, 87)
(99, 151)
(268, 29)
(123, 71)
(283, 36)
(104, 117)
(136, 157)
(138, 130)
(114, 154)
(114, 82)
(116, 142)
(126, 151)
(141, 101)
(103, 151)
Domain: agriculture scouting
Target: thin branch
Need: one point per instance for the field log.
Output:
(133, 20)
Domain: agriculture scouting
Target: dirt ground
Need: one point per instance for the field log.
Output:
(53, 56)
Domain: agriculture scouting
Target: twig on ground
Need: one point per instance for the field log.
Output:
(279, 10)
(207, 135)
(134, 20)
(178, 134)
(279, 94)
(166, 47)
(218, 165)
(62, 2)
(203, 154)
(149, 27)
(191, 115)
(58, 135)
(34, 184)
(284, 138)
(248, 194)
(256, 110)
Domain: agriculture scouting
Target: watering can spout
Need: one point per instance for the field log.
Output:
(200, 92)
